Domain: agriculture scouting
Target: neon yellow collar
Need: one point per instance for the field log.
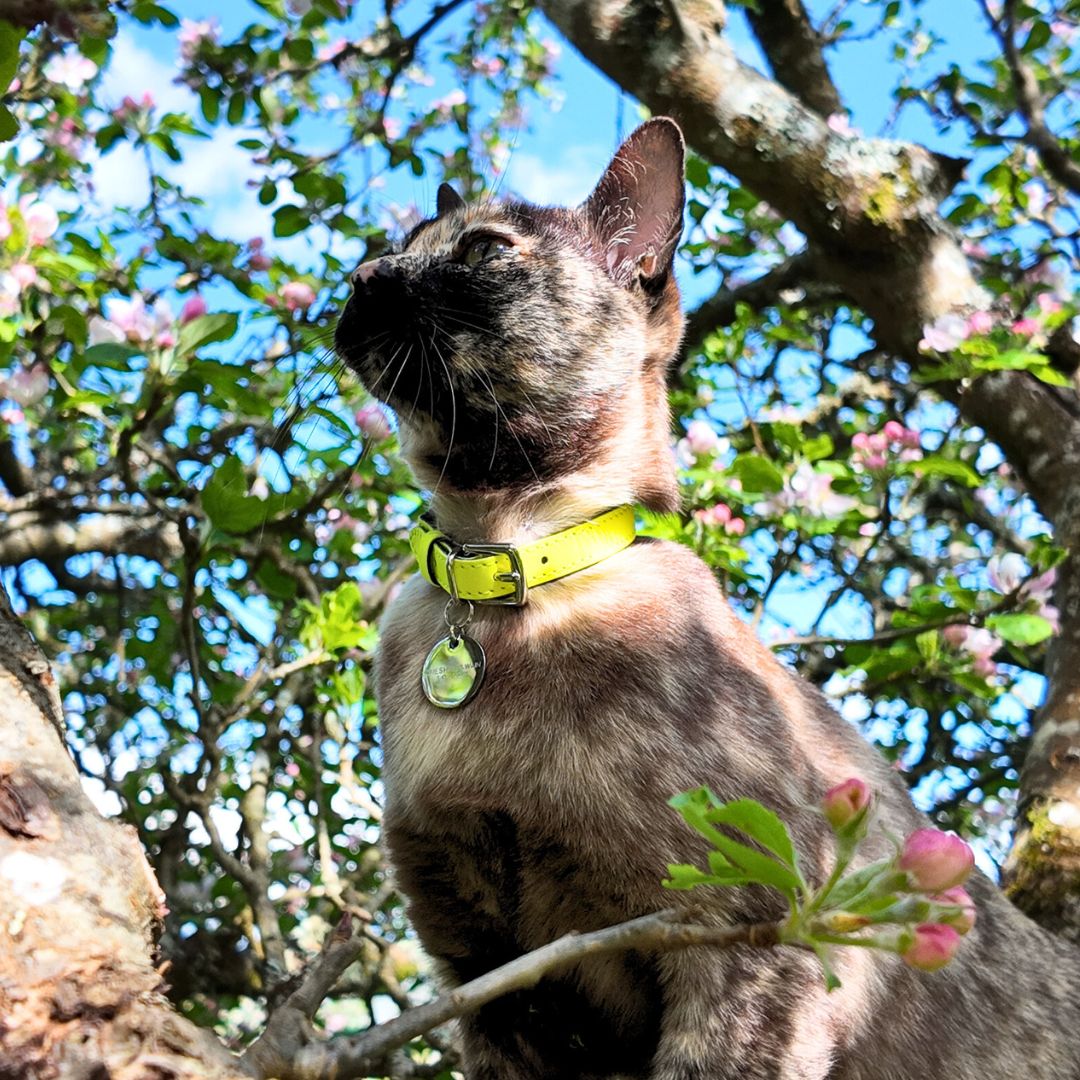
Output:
(504, 574)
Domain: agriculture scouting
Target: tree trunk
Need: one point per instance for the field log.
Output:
(79, 910)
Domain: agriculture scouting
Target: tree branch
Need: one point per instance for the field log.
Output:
(45, 540)
(283, 1052)
(795, 52)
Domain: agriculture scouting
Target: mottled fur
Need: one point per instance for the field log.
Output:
(540, 807)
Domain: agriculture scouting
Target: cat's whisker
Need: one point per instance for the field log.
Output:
(453, 415)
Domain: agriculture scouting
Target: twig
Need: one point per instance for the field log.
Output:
(283, 1050)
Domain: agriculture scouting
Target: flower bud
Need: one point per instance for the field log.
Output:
(932, 947)
(843, 803)
(964, 919)
(935, 861)
(194, 308)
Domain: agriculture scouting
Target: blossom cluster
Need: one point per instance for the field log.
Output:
(919, 892)
(871, 451)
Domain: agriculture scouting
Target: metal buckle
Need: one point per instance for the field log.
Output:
(516, 575)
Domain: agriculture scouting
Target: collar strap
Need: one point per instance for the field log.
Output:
(504, 574)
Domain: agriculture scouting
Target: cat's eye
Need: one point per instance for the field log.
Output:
(483, 248)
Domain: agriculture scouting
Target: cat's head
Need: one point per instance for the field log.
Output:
(520, 344)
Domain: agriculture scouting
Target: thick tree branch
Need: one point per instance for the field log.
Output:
(869, 208)
(22, 539)
(1056, 158)
(794, 50)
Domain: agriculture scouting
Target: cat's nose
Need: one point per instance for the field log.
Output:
(366, 271)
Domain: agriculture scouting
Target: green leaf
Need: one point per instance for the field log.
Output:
(9, 62)
(1019, 628)
(760, 824)
(111, 355)
(290, 219)
(227, 503)
(205, 329)
(757, 473)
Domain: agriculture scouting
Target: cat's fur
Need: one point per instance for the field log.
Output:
(540, 807)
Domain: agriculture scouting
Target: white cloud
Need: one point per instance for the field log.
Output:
(134, 71)
(565, 181)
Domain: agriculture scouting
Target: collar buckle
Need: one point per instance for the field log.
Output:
(516, 575)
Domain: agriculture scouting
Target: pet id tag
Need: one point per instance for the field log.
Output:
(454, 669)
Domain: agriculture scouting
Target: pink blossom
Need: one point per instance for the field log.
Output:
(934, 945)
(846, 801)
(70, 69)
(372, 422)
(1048, 303)
(1006, 571)
(812, 493)
(27, 386)
(945, 333)
(721, 516)
(328, 52)
(194, 34)
(964, 919)
(840, 124)
(1037, 197)
(12, 416)
(297, 295)
(935, 861)
(980, 322)
(701, 438)
(194, 308)
(392, 128)
(258, 261)
(1025, 327)
(444, 105)
(40, 219)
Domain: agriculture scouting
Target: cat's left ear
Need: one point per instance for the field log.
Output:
(636, 210)
(447, 200)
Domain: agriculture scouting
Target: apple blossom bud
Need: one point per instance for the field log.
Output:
(964, 919)
(298, 295)
(932, 948)
(935, 861)
(846, 801)
(194, 308)
(372, 422)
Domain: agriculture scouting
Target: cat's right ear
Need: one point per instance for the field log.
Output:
(636, 210)
(448, 200)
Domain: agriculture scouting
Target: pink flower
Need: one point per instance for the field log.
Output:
(812, 493)
(945, 333)
(193, 35)
(40, 219)
(28, 385)
(372, 422)
(846, 801)
(70, 69)
(451, 101)
(964, 919)
(1025, 327)
(1006, 571)
(980, 322)
(840, 124)
(297, 295)
(194, 308)
(935, 861)
(934, 945)
(1048, 303)
(701, 438)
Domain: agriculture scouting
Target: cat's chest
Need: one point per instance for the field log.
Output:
(569, 704)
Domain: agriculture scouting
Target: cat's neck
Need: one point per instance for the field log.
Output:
(519, 517)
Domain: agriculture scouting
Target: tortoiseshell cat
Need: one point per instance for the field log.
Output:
(525, 351)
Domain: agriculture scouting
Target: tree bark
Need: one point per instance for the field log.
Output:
(80, 910)
(869, 208)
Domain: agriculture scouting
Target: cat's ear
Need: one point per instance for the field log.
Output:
(636, 210)
(448, 200)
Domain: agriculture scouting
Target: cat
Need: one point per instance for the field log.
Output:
(525, 350)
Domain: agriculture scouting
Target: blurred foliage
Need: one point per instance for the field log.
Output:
(203, 518)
